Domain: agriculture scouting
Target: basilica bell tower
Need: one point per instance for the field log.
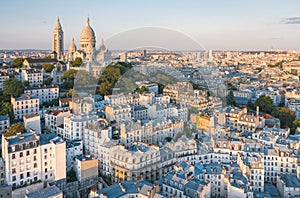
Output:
(58, 40)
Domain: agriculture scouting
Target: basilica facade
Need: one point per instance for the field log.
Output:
(87, 46)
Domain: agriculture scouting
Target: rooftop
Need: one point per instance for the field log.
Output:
(47, 138)
(85, 157)
(26, 97)
(4, 117)
(290, 180)
(22, 138)
(41, 87)
(123, 188)
(31, 116)
(44, 60)
(45, 193)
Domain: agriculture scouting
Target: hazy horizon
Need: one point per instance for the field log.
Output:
(217, 25)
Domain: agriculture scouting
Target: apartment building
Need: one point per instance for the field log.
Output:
(3, 76)
(33, 76)
(252, 165)
(140, 161)
(44, 93)
(25, 105)
(4, 123)
(30, 158)
(54, 119)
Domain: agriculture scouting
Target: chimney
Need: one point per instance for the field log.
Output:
(156, 185)
(298, 171)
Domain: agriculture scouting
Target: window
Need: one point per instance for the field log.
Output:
(21, 154)
(27, 153)
(13, 156)
(35, 165)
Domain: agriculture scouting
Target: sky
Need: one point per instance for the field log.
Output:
(213, 24)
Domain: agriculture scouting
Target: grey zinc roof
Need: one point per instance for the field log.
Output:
(45, 193)
(22, 138)
(45, 138)
(131, 187)
(112, 191)
(291, 180)
(3, 117)
(44, 60)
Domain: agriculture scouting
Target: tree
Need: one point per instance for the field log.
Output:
(12, 87)
(109, 78)
(7, 108)
(51, 103)
(71, 176)
(168, 139)
(48, 67)
(230, 99)
(14, 129)
(265, 104)
(142, 89)
(278, 64)
(17, 63)
(285, 115)
(250, 105)
(77, 62)
(48, 81)
(68, 78)
(25, 83)
(70, 74)
(296, 124)
(70, 93)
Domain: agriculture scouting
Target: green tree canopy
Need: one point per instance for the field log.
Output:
(142, 89)
(296, 124)
(7, 108)
(25, 83)
(48, 67)
(230, 99)
(68, 78)
(250, 105)
(286, 117)
(111, 75)
(265, 104)
(14, 129)
(17, 63)
(70, 74)
(48, 81)
(12, 87)
(70, 93)
(77, 62)
(51, 103)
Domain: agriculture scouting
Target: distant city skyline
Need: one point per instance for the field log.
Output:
(217, 25)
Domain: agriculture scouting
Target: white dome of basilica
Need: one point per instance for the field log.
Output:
(87, 33)
(72, 46)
